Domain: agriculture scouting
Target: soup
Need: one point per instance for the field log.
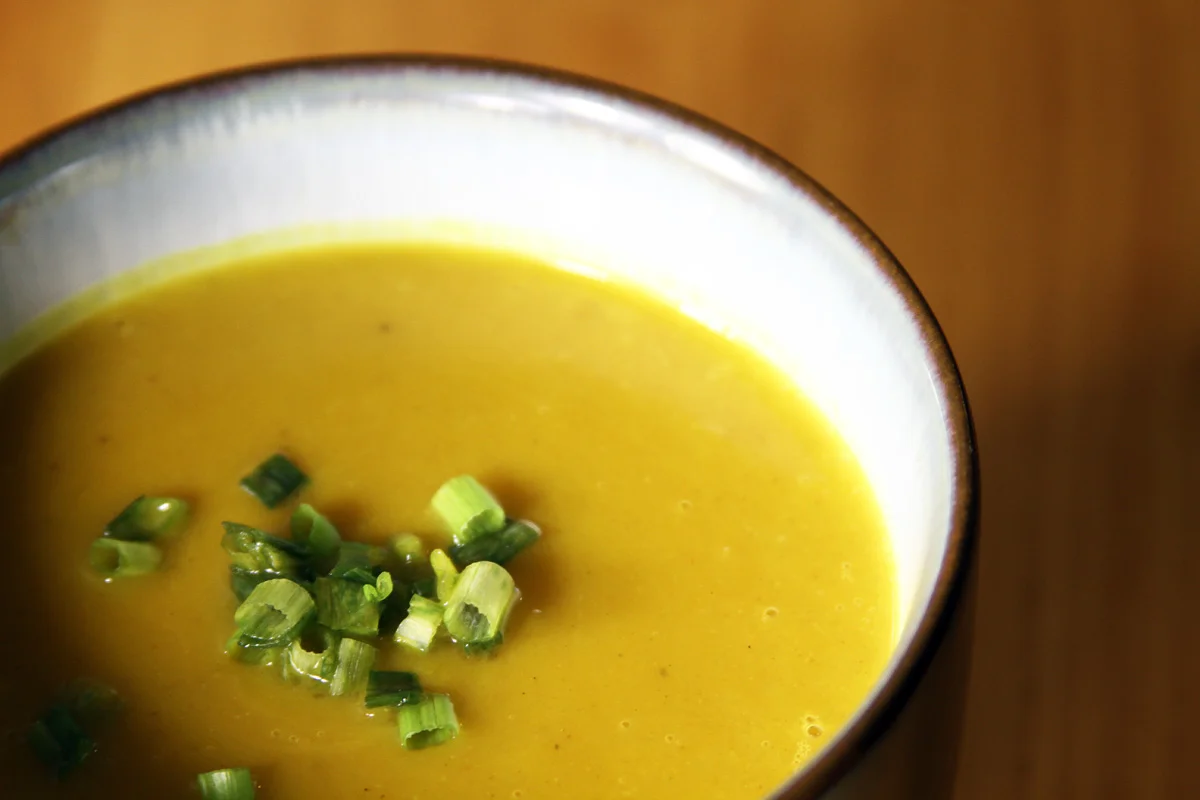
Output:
(711, 599)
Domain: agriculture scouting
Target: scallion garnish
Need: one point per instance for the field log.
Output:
(381, 589)
(148, 518)
(394, 606)
(482, 649)
(242, 648)
(274, 480)
(354, 662)
(445, 572)
(274, 613)
(408, 548)
(499, 547)
(312, 529)
(358, 562)
(302, 664)
(359, 575)
(253, 550)
(91, 703)
(115, 558)
(418, 629)
(428, 722)
(59, 742)
(478, 609)
(386, 688)
(243, 581)
(345, 606)
(226, 784)
(467, 509)
(311, 603)
(62, 738)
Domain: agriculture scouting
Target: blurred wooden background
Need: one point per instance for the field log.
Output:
(1036, 166)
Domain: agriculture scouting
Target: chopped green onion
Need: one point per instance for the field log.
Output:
(359, 575)
(381, 589)
(302, 664)
(428, 722)
(91, 703)
(274, 480)
(344, 606)
(274, 612)
(482, 649)
(395, 605)
(385, 688)
(255, 551)
(408, 548)
(354, 662)
(114, 558)
(499, 548)
(479, 607)
(445, 572)
(358, 562)
(241, 648)
(421, 625)
(59, 742)
(310, 528)
(148, 518)
(226, 784)
(467, 509)
(243, 581)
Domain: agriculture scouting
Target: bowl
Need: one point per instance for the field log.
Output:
(583, 174)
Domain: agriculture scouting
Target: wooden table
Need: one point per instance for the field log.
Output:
(1034, 163)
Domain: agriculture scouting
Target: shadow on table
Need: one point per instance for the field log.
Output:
(1087, 647)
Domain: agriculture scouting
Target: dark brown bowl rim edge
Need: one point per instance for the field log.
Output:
(862, 732)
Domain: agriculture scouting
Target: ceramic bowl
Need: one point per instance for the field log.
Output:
(589, 176)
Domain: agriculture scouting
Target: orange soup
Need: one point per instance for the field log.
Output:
(711, 598)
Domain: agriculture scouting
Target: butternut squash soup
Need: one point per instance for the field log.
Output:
(709, 599)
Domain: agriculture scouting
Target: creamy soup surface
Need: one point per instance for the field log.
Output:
(712, 597)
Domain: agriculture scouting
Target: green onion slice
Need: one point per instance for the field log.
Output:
(445, 572)
(499, 548)
(148, 518)
(313, 662)
(386, 688)
(253, 550)
(428, 722)
(359, 575)
(59, 742)
(274, 613)
(243, 581)
(357, 561)
(91, 703)
(354, 662)
(114, 558)
(274, 480)
(345, 606)
(242, 648)
(381, 589)
(312, 529)
(226, 784)
(482, 600)
(418, 629)
(467, 509)
(394, 606)
(408, 548)
(482, 649)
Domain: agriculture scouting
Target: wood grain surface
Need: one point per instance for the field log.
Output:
(1036, 166)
